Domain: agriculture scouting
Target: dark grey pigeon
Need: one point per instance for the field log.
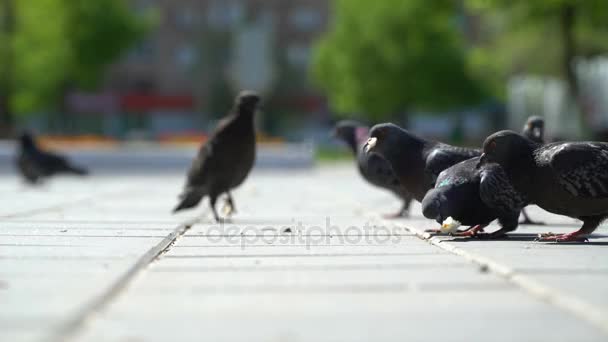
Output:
(464, 178)
(372, 167)
(534, 129)
(415, 161)
(567, 178)
(224, 161)
(35, 164)
(474, 196)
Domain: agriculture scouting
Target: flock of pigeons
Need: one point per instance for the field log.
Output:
(475, 187)
(471, 186)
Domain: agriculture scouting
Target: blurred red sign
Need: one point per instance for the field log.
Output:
(155, 102)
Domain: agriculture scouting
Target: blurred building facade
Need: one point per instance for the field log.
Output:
(183, 75)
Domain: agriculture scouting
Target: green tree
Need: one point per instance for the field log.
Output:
(49, 44)
(542, 37)
(381, 58)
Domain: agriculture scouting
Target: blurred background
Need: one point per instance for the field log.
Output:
(106, 72)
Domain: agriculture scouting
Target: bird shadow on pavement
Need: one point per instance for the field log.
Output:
(509, 237)
(532, 238)
(588, 243)
(546, 225)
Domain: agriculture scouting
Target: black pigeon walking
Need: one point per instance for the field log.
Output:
(35, 164)
(567, 178)
(534, 129)
(372, 167)
(415, 161)
(474, 196)
(225, 160)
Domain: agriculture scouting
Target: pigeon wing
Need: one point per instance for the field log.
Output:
(379, 171)
(497, 192)
(444, 156)
(581, 168)
(207, 160)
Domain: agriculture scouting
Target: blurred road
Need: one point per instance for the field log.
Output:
(306, 258)
(151, 158)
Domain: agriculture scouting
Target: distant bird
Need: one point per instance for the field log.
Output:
(475, 197)
(373, 168)
(567, 178)
(225, 160)
(534, 129)
(415, 161)
(35, 164)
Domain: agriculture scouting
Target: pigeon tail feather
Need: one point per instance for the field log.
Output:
(189, 199)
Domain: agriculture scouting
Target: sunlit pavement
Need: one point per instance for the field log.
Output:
(306, 258)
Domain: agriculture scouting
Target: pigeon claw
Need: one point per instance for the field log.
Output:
(471, 232)
(570, 237)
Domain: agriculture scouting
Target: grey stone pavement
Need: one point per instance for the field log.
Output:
(308, 257)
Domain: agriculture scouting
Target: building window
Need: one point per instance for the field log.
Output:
(185, 56)
(298, 55)
(305, 19)
(142, 7)
(143, 51)
(224, 14)
(185, 18)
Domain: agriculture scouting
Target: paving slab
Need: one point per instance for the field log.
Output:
(307, 257)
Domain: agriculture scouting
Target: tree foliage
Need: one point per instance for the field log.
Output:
(59, 42)
(541, 37)
(385, 57)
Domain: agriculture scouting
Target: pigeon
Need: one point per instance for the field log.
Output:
(35, 164)
(565, 178)
(534, 129)
(372, 167)
(224, 161)
(474, 197)
(415, 161)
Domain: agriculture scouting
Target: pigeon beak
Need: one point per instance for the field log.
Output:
(536, 132)
(370, 143)
(482, 159)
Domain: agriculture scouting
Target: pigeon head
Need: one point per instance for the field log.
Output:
(432, 205)
(506, 148)
(351, 132)
(534, 129)
(26, 139)
(247, 100)
(388, 139)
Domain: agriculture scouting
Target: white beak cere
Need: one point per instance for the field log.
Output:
(371, 142)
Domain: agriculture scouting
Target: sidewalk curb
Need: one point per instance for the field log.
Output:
(73, 325)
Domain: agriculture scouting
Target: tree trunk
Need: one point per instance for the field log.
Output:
(568, 23)
(7, 30)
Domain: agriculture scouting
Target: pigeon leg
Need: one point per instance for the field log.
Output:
(589, 225)
(527, 219)
(229, 209)
(507, 224)
(403, 212)
(212, 200)
(231, 203)
(471, 231)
